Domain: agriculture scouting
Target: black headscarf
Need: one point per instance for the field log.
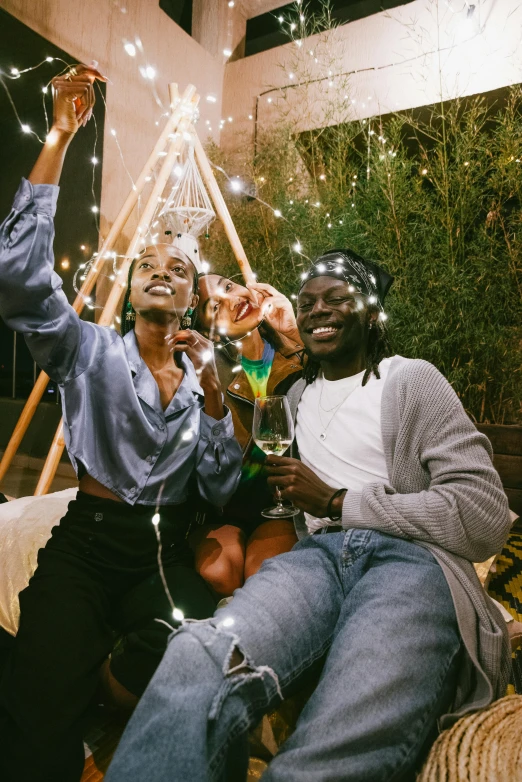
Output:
(366, 276)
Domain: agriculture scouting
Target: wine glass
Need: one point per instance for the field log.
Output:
(273, 432)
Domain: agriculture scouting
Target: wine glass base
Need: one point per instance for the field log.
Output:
(280, 512)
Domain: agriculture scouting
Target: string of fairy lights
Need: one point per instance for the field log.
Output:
(296, 26)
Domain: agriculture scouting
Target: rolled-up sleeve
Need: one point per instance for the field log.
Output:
(219, 459)
(32, 301)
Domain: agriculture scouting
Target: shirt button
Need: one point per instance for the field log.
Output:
(236, 385)
(161, 427)
(149, 459)
(216, 430)
(98, 517)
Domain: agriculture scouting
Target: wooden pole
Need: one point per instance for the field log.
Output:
(222, 209)
(177, 111)
(176, 144)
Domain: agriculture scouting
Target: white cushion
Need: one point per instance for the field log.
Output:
(25, 527)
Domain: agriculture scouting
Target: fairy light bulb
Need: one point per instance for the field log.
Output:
(150, 72)
(94, 161)
(187, 435)
(207, 355)
(227, 52)
(156, 519)
(235, 185)
(297, 247)
(277, 213)
(178, 615)
(15, 72)
(130, 49)
(304, 275)
(205, 266)
(228, 622)
(26, 128)
(321, 267)
(94, 209)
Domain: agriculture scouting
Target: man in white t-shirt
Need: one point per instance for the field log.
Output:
(388, 604)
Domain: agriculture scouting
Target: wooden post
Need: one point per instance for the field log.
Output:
(222, 209)
(176, 144)
(177, 111)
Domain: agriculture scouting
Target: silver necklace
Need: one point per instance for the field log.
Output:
(336, 409)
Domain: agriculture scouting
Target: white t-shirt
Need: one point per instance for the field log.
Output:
(338, 431)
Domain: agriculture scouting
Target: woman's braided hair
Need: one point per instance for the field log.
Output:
(378, 347)
(126, 307)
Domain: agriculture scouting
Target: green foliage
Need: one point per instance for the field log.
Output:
(435, 196)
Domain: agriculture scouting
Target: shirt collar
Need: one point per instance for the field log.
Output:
(150, 394)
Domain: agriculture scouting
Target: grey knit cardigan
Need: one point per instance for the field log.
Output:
(444, 494)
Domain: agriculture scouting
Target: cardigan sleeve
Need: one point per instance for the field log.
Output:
(464, 509)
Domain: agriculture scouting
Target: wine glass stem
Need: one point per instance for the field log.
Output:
(279, 498)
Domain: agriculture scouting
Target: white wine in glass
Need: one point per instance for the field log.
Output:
(277, 447)
(273, 433)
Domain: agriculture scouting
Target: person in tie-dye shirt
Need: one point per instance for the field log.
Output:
(231, 547)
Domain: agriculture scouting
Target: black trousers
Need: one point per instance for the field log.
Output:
(97, 580)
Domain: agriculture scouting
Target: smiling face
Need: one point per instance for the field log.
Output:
(226, 307)
(162, 285)
(332, 321)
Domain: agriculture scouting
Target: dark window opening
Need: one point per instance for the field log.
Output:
(180, 11)
(80, 184)
(266, 31)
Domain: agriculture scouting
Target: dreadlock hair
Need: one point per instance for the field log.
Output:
(125, 325)
(378, 347)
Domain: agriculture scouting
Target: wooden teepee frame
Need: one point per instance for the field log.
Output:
(169, 145)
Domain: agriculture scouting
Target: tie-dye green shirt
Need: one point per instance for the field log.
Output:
(257, 373)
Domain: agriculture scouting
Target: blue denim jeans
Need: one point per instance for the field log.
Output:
(375, 608)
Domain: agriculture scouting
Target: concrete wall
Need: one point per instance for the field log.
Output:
(390, 61)
(97, 29)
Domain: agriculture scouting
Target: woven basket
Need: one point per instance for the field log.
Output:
(483, 747)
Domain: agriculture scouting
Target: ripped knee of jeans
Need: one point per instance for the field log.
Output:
(241, 673)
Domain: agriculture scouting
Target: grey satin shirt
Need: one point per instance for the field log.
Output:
(114, 424)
